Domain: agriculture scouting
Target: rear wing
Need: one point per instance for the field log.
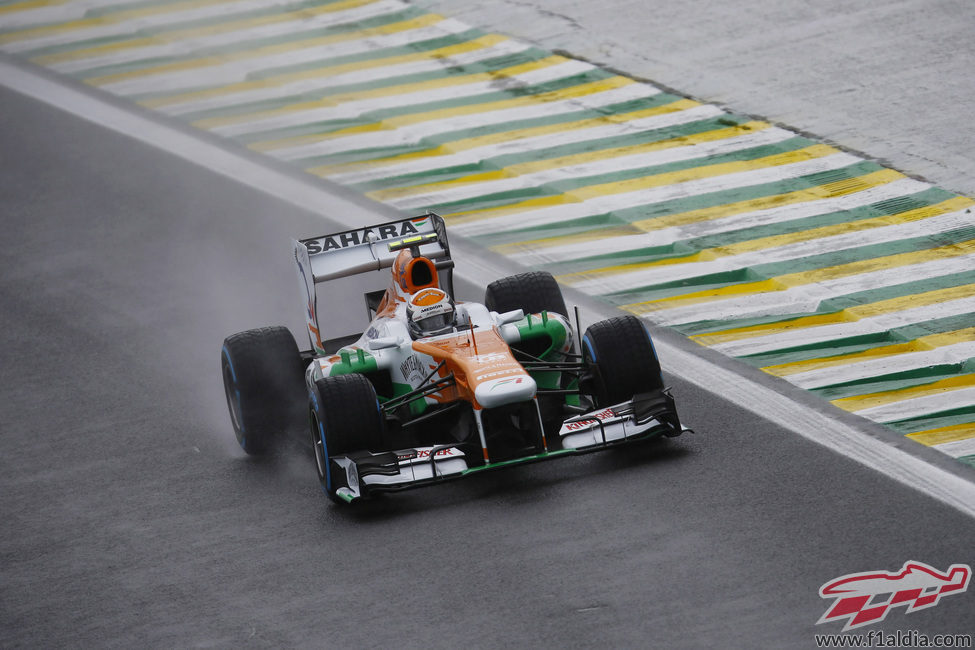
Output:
(351, 252)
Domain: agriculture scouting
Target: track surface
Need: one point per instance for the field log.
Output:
(131, 518)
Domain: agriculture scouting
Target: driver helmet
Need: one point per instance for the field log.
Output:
(429, 312)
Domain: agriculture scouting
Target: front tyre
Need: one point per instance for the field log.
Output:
(621, 360)
(534, 292)
(344, 417)
(263, 379)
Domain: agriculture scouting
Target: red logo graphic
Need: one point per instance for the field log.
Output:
(865, 598)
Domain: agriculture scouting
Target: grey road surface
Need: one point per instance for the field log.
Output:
(131, 519)
(894, 80)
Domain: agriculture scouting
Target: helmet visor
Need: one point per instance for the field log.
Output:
(434, 322)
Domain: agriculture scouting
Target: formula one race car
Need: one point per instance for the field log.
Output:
(437, 389)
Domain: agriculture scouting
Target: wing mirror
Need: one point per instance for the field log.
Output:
(511, 316)
(385, 342)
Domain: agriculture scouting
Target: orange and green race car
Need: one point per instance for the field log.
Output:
(437, 389)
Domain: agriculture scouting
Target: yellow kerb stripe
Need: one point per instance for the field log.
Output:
(388, 91)
(826, 191)
(941, 435)
(571, 160)
(921, 344)
(29, 4)
(107, 19)
(392, 123)
(862, 402)
(464, 144)
(852, 314)
(645, 182)
(326, 71)
(784, 282)
(568, 161)
(777, 241)
(197, 32)
(176, 66)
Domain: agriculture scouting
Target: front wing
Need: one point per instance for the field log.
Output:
(642, 418)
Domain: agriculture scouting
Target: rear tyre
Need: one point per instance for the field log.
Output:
(344, 417)
(621, 360)
(535, 291)
(263, 379)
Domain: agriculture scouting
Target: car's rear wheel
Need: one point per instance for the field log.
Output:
(534, 291)
(621, 360)
(263, 378)
(344, 417)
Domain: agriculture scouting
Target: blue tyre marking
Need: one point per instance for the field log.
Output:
(592, 352)
(328, 471)
(230, 363)
(240, 419)
(653, 349)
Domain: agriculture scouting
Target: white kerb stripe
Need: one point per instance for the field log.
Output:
(437, 124)
(958, 448)
(807, 297)
(521, 145)
(58, 13)
(598, 166)
(823, 333)
(133, 26)
(355, 108)
(190, 46)
(237, 71)
(917, 406)
(812, 207)
(332, 81)
(532, 217)
(949, 354)
(844, 241)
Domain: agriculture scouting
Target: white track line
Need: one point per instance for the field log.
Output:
(807, 422)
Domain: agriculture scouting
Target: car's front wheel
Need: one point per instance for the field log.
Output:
(344, 417)
(621, 360)
(263, 379)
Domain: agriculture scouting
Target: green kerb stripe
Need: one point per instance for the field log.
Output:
(951, 417)
(331, 126)
(585, 146)
(839, 303)
(860, 343)
(161, 30)
(485, 66)
(626, 216)
(430, 143)
(561, 187)
(895, 381)
(246, 45)
(689, 247)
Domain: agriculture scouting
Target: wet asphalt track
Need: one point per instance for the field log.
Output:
(130, 517)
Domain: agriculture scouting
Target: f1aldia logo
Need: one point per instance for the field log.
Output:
(865, 598)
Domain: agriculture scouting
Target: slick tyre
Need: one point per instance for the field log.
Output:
(620, 359)
(263, 379)
(535, 291)
(344, 417)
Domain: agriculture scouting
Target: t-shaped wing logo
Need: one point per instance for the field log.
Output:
(865, 598)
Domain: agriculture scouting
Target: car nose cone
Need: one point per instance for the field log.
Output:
(506, 390)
